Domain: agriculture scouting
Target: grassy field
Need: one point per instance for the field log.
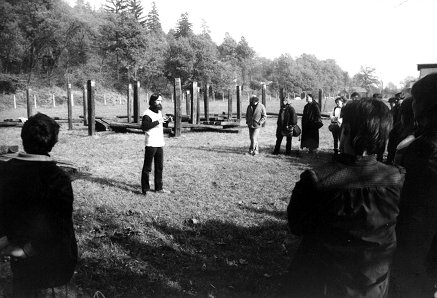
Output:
(220, 232)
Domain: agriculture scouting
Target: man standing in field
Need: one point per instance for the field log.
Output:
(255, 117)
(154, 151)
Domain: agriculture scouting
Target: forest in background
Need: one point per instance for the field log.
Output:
(47, 43)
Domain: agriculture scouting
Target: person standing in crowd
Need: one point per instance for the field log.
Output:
(256, 116)
(336, 122)
(36, 206)
(393, 139)
(346, 213)
(311, 123)
(152, 125)
(406, 130)
(287, 120)
(415, 262)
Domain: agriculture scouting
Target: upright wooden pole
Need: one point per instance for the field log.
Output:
(177, 107)
(128, 102)
(206, 102)
(194, 95)
(198, 106)
(238, 103)
(263, 94)
(72, 97)
(187, 102)
(281, 97)
(136, 102)
(85, 106)
(29, 105)
(54, 100)
(91, 108)
(69, 107)
(320, 98)
(229, 104)
(34, 101)
(15, 102)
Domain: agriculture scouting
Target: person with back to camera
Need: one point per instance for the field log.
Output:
(152, 125)
(336, 121)
(415, 267)
(256, 116)
(287, 120)
(36, 206)
(346, 212)
(311, 123)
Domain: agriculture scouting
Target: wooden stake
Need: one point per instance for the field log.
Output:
(53, 100)
(29, 105)
(15, 102)
(238, 102)
(206, 102)
(69, 107)
(91, 108)
(128, 101)
(85, 106)
(177, 107)
(194, 95)
(137, 104)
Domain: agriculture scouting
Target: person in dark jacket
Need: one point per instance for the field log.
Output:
(36, 205)
(287, 119)
(256, 116)
(346, 213)
(311, 121)
(415, 262)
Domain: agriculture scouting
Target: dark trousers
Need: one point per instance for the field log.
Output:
(279, 138)
(155, 154)
(336, 136)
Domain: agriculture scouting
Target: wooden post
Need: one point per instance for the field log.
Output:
(34, 101)
(85, 106)
(104, 99)
(69, 107)
(15, 102)
(281, 97)
(177, 107)
(320, 98)
(187, 102)
(54, 100)
(136, 102)
(223, 96)
(91, 108)
(206, 102)
(128, 102)
(198, 106)
(263, 94)
(29, 105)
(72, 97)
(194, 95)
(238, 103)
(229, 104)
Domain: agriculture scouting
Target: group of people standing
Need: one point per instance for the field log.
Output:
(364, 223)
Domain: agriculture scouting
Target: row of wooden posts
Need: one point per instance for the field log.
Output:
(192, 105)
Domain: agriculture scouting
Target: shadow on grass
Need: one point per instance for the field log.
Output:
(196, 259)
(134, 188)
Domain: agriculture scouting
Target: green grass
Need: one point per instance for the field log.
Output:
(221, 232)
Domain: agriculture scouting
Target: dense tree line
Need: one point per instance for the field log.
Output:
(119, 43)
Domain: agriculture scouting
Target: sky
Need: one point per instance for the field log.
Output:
(392, 36)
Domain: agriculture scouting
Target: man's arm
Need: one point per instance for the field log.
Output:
(263, 115)
(147, 123)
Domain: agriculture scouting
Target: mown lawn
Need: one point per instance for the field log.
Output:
(221, 232)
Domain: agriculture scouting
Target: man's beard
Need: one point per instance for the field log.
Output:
(156, 107)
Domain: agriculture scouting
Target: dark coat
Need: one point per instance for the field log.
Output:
(36, 214)
(346, 212)
(287, 118)
(310, 132)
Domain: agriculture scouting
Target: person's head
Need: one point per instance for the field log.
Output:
(285, 101)
(355, 96)
(424, 105)
(309, 98)
(254, 100)
(377, 96)
(339, 101)
(407, 115)
(155, 102)
(39, 134)
(366, 126)
(405, 93)
(392, 101)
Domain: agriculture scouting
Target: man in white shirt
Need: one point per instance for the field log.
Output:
(154, 151)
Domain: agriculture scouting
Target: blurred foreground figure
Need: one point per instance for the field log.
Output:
(415, 262)
(36, 205)
(346, 213)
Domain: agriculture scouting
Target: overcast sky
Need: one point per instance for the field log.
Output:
(392, 36)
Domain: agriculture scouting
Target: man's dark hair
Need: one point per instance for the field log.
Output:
(339, 99)
(39, 134)
(355, 94)
(254, 98)
(368, 121)
(424, 92)
(154, 97)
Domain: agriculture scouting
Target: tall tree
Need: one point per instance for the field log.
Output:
(244, 56)
(153, 24)
(136, 10)
(367, 79)
(184, 27)
(116, 6)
